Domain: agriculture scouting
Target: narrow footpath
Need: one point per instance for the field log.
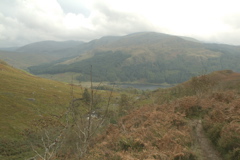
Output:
(203, 144)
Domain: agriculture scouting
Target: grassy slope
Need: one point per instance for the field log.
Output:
(28, 104)
(25, 97)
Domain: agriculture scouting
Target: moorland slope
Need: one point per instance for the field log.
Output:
(25, 100)
(198, 119)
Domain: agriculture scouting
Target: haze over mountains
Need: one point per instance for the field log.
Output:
(140, 57)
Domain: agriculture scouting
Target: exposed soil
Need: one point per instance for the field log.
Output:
(203, 144)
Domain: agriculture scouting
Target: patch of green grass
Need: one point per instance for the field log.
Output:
(23, 99)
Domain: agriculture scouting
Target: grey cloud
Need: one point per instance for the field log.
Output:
(20, 25)
(230, 37)
(233, 20)
(74, 6)
(7, 7)
(116, 22)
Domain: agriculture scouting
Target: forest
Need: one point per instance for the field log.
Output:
(112, 66)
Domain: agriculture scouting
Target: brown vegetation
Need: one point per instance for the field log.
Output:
(152, 132)
(163, 130)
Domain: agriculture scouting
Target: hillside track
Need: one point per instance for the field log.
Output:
(203, 143)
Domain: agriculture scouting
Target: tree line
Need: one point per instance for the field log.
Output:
(112, 66)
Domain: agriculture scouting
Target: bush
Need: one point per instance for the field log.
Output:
(189, 106)
(14, 149)
(194, 111)
(235, 154)
(214, 132)
(126, 144)
(185, 156)
(230, 137)
(226, 97)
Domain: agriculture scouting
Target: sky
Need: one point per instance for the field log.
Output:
(27, 21)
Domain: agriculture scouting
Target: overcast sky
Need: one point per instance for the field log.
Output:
(27, 21)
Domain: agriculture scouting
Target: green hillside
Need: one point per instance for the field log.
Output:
(24, 100)
(37, 112)
(146, 57)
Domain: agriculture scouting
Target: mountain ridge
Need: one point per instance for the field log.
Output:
(145, 57)
(149, 57)
(48, 46)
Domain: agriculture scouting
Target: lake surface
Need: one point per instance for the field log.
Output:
(143, 86)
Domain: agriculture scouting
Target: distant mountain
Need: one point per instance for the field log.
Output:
(145, 57)
(39, 53)
(190, 39)
(48, 46)
(9, 49)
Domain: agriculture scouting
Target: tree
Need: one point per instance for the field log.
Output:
(79, 128)
(86, 125)
(86, 96)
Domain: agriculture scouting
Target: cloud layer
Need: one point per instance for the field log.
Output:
(27, 21)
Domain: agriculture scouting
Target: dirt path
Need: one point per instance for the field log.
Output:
(203, 144)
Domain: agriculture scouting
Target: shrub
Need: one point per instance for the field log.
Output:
(226, 97)
(214, 132)
(235, 154)
(201, 84)
(189, 106)
(230, 137)
(185, 156)
(126, 144)
(194, 111)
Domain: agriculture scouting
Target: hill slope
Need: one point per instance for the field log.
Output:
(24, 100)
(39, 53)
(24, 60)
(48, 46)
(164, 127)
(171, 127)
(146, 57)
